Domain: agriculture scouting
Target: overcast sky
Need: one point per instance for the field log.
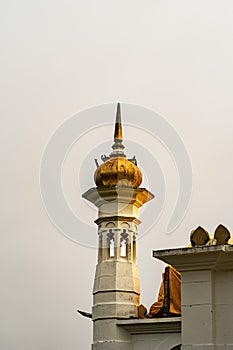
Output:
(61, 57)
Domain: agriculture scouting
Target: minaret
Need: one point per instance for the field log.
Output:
(116, 292)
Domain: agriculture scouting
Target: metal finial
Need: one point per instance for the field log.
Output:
(118, 126)
(118, 147)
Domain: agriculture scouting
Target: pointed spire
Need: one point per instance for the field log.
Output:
(118, 147)
(118, 126)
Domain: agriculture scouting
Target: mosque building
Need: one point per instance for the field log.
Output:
(194, 309)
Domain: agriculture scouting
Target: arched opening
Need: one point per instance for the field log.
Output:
(123, 248)
(111, 248)
(123, 244)
(134, 248)
(111, 244)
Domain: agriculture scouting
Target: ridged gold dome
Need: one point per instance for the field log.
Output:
(116, 169)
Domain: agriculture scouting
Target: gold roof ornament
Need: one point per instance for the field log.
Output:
(200, 237)
(222, 235)
(117, 170)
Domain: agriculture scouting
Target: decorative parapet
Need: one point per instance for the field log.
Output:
(200, 236)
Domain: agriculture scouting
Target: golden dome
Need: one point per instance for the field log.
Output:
(118, 171)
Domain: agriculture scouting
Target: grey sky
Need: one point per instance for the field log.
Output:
(60, 57)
